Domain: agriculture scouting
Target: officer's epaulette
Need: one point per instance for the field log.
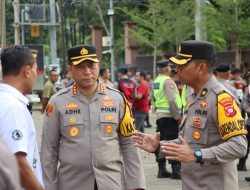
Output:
(113, 89)
(63, 91)
(218, 88)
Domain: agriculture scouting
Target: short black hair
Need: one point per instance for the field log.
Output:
(14, 58)
(102, 70)
(123, 70)
(142, 74)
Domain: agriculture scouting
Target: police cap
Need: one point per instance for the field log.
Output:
(222, 68)
(194, 49)
(78, 54)
(235, 70)
(162, 63)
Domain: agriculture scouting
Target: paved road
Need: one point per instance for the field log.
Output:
(150, 167)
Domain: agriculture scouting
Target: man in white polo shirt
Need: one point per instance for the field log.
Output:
(16, 125)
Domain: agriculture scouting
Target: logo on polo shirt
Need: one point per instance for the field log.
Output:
(17, 135)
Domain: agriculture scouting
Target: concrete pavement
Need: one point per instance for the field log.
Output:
(150, 167)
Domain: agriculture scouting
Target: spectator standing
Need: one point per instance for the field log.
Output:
(104, 77)
(49, 88)
(67, 81)
(141, 102)
(150, 96)
(237, 81)
(126, 86)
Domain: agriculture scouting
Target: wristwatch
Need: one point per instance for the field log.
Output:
(198, 156)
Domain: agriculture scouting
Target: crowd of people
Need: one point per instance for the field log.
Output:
(93, 128)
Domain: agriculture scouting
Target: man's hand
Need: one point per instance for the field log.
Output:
(146, 142)
(180, 152)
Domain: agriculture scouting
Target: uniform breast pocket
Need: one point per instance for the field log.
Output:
(108, 124)
(197, 130)
(73, 127)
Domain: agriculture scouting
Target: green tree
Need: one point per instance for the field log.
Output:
(229, 25)
(163, 21)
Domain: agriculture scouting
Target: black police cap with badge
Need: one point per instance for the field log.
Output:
(194, 49)
(222, 68)
(162, 63)
(78, 54)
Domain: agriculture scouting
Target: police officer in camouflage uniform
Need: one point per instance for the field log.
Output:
(87, 129)
(212, 130)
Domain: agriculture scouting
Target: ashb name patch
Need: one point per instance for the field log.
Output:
(230, 121)
(232, 128)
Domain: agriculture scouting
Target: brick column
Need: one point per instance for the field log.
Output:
(131, 48)
(97, 41)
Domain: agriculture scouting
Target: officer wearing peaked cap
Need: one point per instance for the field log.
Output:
(87, 129)
(213, 131)
(222, 75)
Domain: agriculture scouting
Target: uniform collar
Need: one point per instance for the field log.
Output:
(14, 92)
(204, 91)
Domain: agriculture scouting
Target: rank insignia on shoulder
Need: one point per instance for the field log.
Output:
(49, 109)
(101, 88)
(74, 90)
(230, 121)
(127, 125)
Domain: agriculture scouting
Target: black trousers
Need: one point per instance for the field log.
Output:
(168, 128)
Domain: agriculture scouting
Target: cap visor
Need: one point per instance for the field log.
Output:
(95, 60)
(180, 60)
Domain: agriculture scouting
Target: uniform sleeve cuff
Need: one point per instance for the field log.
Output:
(207, 155)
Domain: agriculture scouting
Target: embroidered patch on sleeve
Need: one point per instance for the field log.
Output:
(49, 109)
(230, 121)
(127, 125)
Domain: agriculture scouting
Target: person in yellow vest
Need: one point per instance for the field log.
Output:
(168, 106)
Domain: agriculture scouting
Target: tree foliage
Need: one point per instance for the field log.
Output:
(163, 21)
